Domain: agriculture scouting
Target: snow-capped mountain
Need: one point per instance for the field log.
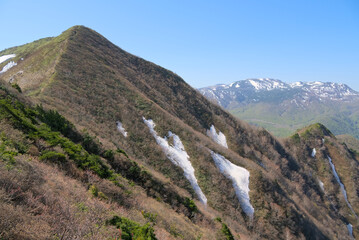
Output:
(273, 90)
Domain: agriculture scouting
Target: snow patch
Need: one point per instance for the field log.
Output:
(240, 180)
(342, 187)
(296, 84)
(121, 128)
(315, 83)
(314, 152)
(6, 57)
(350, 230)
(267, 84)
(255, 84)
(321, 185)
(178, 156)
(219, 138)
(8, 66)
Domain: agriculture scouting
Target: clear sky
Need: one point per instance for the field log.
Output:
(209, 42)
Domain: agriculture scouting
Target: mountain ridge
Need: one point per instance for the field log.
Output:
(223, 93)
(283, 108)
(96, 85)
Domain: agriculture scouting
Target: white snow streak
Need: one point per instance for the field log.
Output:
(321, 185)
(314, 152)
(219, 138)
(296, 84)
(6, 57)
(178, 156)
(8, 66)
(350, 230)
(342, 187)
(255, 84)
(240, 180)
(121, 128)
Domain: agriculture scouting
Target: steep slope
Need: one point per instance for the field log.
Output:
(283, 108)
(53, 187)
(333, 166)
(170, 129)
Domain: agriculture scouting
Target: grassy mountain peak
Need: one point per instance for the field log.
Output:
(316, 130)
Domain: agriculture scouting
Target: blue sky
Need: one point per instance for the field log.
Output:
(209, 42)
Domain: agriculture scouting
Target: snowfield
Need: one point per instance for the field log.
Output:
(121, 128)
(8, 66)
(240, 180)
(178, 156)
(219, 138)
(6, 57)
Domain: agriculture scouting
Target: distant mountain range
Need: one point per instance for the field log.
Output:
(283, 108)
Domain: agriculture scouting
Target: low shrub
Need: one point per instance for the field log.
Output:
(131, 230)
(150, 217)
(93, 190)
(190, 205)
(23, 118)
(53, 156)
(91, 144)
(225, 230)
(295, 137)
(122, 151)
(17, 87)
(58, 123)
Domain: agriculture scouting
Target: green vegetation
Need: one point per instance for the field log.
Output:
(283, 121)
(17, 87)
(122, 152)
(150, 217)
(93, 190)
(109, 155)
(53, 156)
(27, 48)
(174, 232)
(131, 230)
(351, 142)
(225, 230)
(191, 206)
(91, 144)
(7, 151)
(315, 130)
(24, 118)
(295, 138)
(58, 123)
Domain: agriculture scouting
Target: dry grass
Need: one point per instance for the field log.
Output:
(95, 83)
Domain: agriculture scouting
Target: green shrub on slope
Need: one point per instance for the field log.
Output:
(131, 230)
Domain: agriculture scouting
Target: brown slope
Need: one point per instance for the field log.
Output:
(95, 83)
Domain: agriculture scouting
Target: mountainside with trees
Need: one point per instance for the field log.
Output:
(97, 143)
